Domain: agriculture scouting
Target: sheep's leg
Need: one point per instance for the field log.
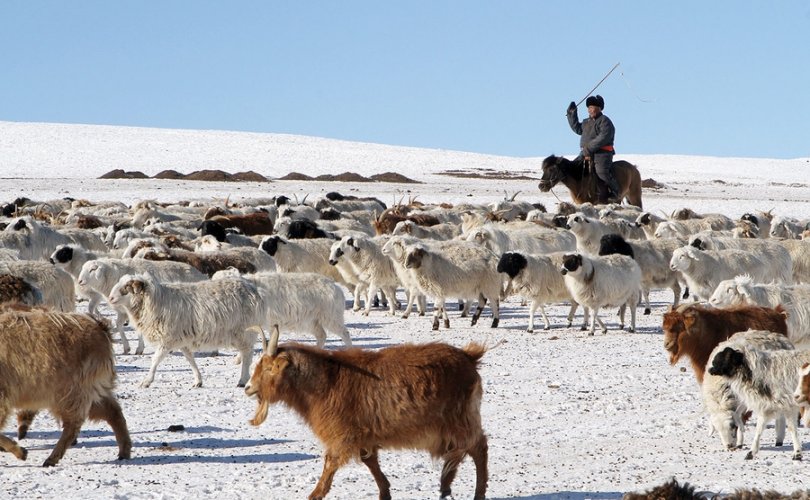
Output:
(24, 420)
(410, 296)
(792, 417)
(585, 315)
(197, 376)
(622, 310)
(479, 454)
(495, 307)
(532, 308)
(676, 291)
(246, 354)
(737, 416)
(421, 304)
(647, 309)
(109, 410)
(465, 309)
(92, 303)
(371, 293)
(372, 462)
(445, 316)
(8, 444)
(120, 319)
(482, 301)
(757, 435)
(320, 336)
(780, 430)
(572, 312)
(546, 322)
(331, 464)
(632, 319)
(344, 335)
(393, 302)
(595, 313)
(359, 291)
(157, 357)
(70, 431)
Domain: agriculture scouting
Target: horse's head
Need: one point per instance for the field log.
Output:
(551, 173)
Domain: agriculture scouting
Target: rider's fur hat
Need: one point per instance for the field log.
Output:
(595, 100)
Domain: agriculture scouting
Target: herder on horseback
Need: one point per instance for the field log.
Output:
(596, 146)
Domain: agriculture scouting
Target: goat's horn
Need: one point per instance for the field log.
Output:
(514, 196)
(272, 346)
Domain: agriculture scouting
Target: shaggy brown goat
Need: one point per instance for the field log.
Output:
(207, 263)
(694, 330)
(358, 402)
(62, 362)
(15, 289)
(249, 224)
(669, 490)
(387, 221)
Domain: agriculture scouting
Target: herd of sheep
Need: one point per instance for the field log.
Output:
(192, 277)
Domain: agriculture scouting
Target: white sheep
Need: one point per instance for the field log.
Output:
(537, 277)
(458, 269)
(56, 285)
(299, 302)
(529, 239)
(603, 281)
(192, 316)
(788, 227)
(765, 381)
(372, 268)
(100, 276)
(778, 264)
(704, 270)
(42, 240)
(71, 258)
(653, 257)
(723, 405)
(795, 299)
(799, 251)
(394, 249)
(301, 256)
(588, 232)
(442, 231)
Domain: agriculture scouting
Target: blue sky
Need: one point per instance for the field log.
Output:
(715, 78)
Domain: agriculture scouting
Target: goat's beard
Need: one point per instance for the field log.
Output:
(261, 413)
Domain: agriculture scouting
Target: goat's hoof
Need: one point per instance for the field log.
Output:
(240, 384)
(447, 323)
(436, 326)
(495, 322)
(529, 330)
(422, 313)
(404, 316)
(23, 454)
(582, 329)
(145, 384)
(196, 385)
(779, 443)
(49, 462)
(139, 352)
(797, 456)
(474, 321)
(647, 311)
(749, 456)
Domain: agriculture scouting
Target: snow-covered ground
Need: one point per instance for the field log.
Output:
(567, 415)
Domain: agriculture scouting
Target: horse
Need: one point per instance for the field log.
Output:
(580, 183)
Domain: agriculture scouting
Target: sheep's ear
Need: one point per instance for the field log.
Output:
(137, 286)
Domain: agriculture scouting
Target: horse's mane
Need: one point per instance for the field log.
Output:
(567, 167)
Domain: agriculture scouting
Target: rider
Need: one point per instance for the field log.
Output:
(596, 145)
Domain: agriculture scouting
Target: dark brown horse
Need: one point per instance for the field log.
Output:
(572, 174)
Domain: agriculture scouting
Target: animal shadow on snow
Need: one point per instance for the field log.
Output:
(569, 495)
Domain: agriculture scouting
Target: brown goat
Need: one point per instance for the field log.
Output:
(388, 220)
(207, 263)
(62, 362)
(14, 289)
(250, 224)
(694, 330)
(358, 402)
